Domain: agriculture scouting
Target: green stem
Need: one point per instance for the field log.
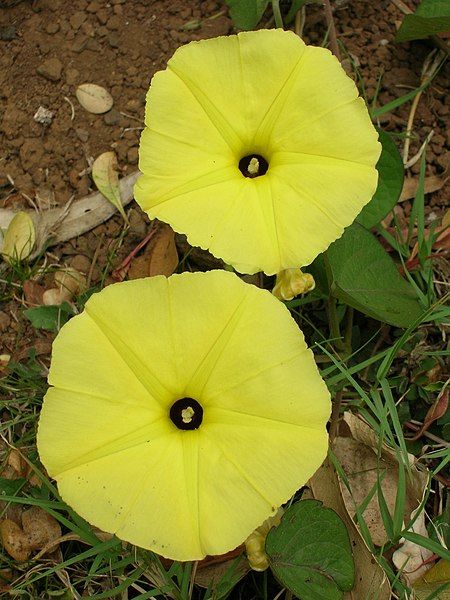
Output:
(185, 581)
(348, 331)
(277, 14)
(333, 321)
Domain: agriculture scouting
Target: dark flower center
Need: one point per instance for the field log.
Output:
(186, 413)
(253, 165)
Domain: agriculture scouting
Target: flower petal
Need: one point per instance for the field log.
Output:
(255, 449)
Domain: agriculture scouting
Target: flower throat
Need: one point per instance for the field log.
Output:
(253, 165)
(186, 414)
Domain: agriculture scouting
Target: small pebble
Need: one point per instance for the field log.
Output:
(112, 117)
(82, 134)
(5, 320)
(52, 27)
(77, 20)
(133, 155)
(50, 69)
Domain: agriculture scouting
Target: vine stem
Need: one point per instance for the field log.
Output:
(335, 413)
(332, 29)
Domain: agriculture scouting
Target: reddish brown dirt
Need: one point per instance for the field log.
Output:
(48, 47)
(116, 44)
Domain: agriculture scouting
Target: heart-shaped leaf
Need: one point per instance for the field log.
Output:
(310, 552)
(390, 183)
(365, 276)
(246, 13)
(430, 18)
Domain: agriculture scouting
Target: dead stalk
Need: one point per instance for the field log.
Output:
(331, 28)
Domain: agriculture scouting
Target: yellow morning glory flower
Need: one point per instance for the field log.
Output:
(258, 148)
(183, 412)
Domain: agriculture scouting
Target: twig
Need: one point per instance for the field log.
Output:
(131, 117)
(409, 126)
(94, 261)
(416, 425)
(193, 574)
(72, 108)
(332, 29)
(412, 161)
(121, 271)
(335, 412)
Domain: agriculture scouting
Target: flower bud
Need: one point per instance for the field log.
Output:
(291, 283)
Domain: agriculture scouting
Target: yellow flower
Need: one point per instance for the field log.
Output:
(258, 148)
(182, 412)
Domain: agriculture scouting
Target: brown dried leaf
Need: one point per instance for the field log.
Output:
(75, 218)
(164, 255)
(433, 183)
(40, 528)
(33, 292)
(208, 575)
(160, 256)
(56, 296)
(370, 579)
(18, 463)
(71, 280)
(14, 540)
(358, 455)
(435, 412)
(410, 558)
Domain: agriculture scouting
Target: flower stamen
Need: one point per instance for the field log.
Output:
(253, 165)
(187, 414)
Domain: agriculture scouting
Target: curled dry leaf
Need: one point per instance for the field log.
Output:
(104, 174)
(410, 558)
(14, 540)
(160, 256)
(358, 455)
(33, 292)
(435, 412)
(75, 218)
(94, 98)
(208, 575)
(370, 579)
(38, 529)
(433, 183)
(56, 296)
(19, 238)
(70, 281)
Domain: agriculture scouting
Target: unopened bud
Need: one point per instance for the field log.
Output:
(256, 541)
(291, 283)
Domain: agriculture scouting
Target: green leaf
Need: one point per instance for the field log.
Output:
(390, 183)
(50, 318)
(431, 17)
(364, 276)
(298, 5)
(10, 487)
(310, 552)
(246, 14)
